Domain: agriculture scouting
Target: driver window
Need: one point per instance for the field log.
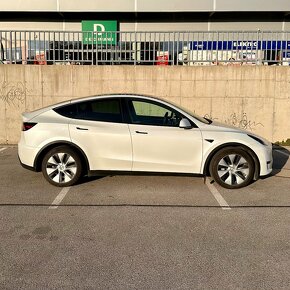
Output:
(151, 113)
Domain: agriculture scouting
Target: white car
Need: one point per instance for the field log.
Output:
(113, 134)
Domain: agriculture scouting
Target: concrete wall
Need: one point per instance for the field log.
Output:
(255, 98)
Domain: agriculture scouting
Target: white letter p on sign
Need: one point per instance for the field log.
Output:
(99, 27)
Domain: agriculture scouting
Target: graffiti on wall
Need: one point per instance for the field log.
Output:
(241, 121)
(13, 93)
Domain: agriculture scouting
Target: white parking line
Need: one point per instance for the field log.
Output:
(59, 198)
(217, 195)
(284, 153)
(2, 149)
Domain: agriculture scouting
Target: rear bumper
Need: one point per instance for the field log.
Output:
(27, 155)
(26, 166)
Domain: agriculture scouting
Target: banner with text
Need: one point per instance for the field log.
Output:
(99, 32)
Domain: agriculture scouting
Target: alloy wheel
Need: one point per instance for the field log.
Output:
(61, 167)
(233, 169)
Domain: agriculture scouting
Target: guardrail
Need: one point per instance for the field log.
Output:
(145, 48)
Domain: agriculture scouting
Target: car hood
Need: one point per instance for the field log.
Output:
(221, 127)
(217, 126)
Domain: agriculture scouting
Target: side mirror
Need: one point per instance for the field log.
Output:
(185, 124)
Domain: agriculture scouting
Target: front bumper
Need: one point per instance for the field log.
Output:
(266, 160)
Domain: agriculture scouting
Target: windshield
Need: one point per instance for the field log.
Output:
(199, 118)
(194, 115)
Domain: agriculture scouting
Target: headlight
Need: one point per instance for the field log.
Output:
(257, 139)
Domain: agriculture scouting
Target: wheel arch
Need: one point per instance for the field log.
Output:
(39, 157)
(229, 145)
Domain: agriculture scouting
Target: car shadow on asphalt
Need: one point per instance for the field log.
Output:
(280, 158)
(87, 179)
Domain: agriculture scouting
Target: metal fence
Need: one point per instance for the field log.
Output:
(145, 48)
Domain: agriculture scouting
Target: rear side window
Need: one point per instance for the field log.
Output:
(69, 111)
(107, 110)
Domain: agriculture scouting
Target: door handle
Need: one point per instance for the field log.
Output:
(79, 128)
(141, 132)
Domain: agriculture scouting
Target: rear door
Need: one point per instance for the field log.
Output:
(97, 127)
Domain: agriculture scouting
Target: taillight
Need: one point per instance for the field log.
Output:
(26, 126)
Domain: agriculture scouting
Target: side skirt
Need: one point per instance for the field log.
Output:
(139, 173)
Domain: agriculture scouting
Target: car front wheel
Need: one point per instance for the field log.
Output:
(61, 166)
(232, 168)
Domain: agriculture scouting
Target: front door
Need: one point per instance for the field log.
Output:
(159, 145)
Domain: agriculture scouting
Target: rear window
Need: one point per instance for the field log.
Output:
(96, 110)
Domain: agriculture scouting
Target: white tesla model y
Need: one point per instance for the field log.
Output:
(113, 134)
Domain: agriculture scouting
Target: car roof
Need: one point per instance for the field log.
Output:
(88, 98)
(102, 96)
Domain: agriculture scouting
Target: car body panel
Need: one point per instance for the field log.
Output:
(50, 128)
(28, 116)
(107, 145)
(166, 149)
(221, 138)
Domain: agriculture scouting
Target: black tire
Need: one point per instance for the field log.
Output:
(62, 166)
(232, 168)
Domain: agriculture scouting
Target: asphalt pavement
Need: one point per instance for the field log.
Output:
(143, 232)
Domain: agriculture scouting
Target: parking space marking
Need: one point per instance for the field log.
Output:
(222, 202)
(2, 149)
(284, 153)
(59, 198)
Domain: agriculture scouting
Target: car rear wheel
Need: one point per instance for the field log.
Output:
(61, 166)
(232, 168)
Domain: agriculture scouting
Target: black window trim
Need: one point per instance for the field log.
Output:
(129, 118)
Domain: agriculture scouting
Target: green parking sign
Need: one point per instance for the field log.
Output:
(99, 32)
